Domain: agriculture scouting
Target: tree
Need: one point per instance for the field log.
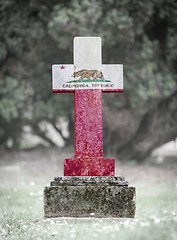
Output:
(141, 35)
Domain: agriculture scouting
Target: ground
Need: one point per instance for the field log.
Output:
(24, 174)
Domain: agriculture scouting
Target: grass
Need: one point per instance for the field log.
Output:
(21, 216)
(21, 206)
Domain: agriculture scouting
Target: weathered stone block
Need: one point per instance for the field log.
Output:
(89, 197)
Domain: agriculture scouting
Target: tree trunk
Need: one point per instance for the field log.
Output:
(156, 127)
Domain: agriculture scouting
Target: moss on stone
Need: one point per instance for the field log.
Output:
(80, 201)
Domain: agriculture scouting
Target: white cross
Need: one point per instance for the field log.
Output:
(87, 72)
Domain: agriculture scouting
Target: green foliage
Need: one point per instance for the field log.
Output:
(35, 34)
(15, 96)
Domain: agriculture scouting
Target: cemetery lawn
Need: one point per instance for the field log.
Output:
(21, 208)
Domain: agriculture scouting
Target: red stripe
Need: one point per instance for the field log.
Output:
(72, 90)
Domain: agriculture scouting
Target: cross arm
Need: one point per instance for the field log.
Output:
(109, 79)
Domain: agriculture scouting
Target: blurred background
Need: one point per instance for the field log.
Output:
(141, 35)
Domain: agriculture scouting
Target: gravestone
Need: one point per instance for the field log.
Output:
(89, 187)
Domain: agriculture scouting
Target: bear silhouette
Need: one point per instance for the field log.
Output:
(88, 75)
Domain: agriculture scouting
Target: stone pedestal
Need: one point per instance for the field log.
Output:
(89, 197)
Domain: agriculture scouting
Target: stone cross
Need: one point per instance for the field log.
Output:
(87, 78)
(88, 187)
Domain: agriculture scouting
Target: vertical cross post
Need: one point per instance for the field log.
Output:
(88, 102)
(88, 124)
(88, 117)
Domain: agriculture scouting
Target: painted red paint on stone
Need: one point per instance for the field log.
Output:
(63, 91)
(89, 159)
(88, 123)
(72, 90)
(112, 90)
(62, 67)
(89, 167)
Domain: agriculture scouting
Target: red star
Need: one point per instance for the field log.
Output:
(62, 67)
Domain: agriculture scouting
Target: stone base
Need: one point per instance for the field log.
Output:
(89, 197)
